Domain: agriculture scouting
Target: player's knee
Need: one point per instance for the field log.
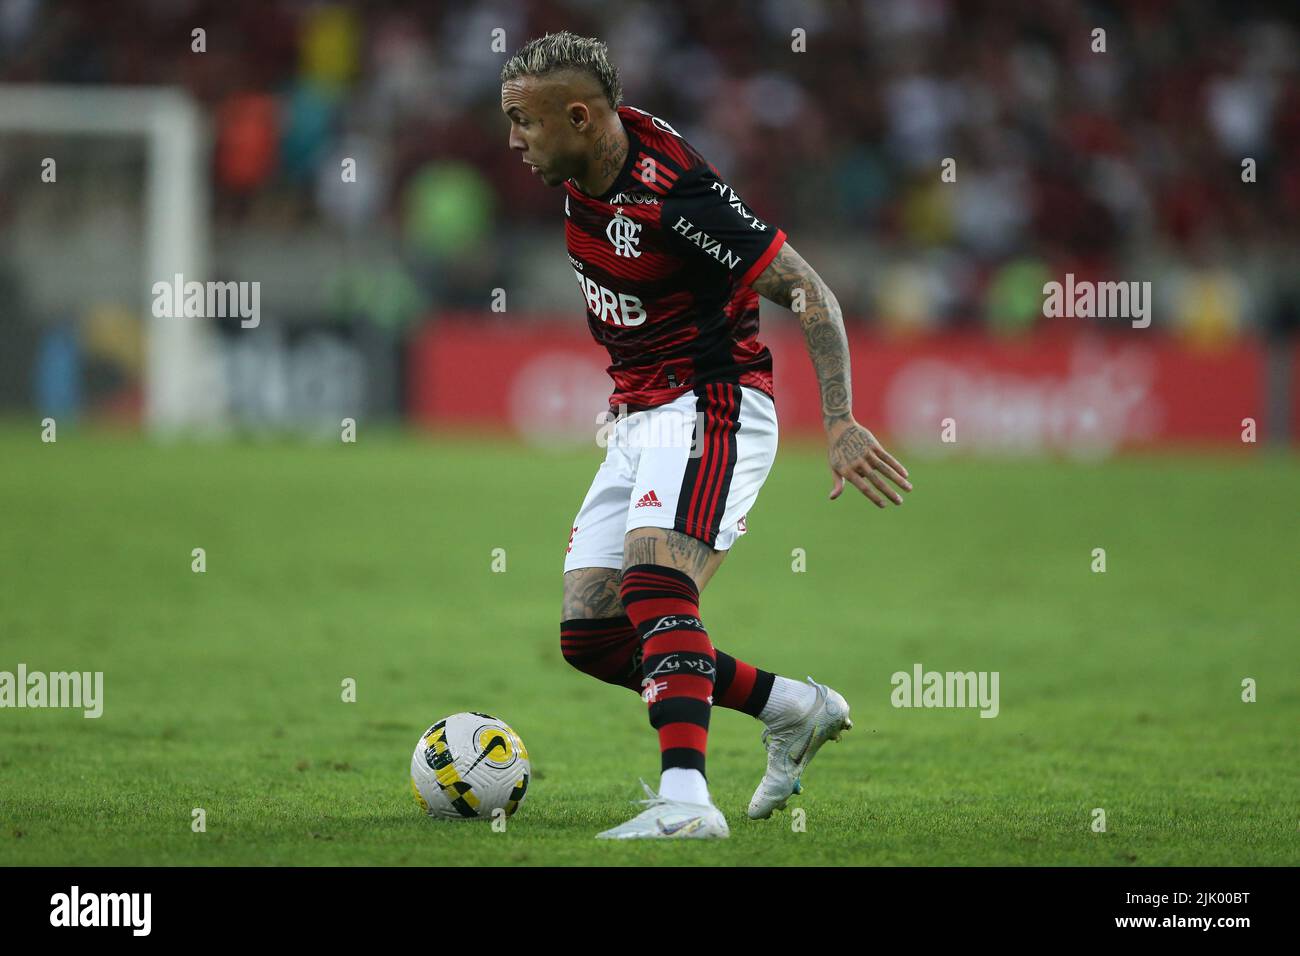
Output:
(606, 649)
(576, 644)
(655, 590)
(591, 593)
(573, 650)
(672, 553)
(596, 636)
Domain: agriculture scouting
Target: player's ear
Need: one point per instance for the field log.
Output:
(579, 116)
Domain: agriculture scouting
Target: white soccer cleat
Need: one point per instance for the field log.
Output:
(791, 747)
(669, 820)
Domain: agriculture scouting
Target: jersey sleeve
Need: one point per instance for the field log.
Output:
(705, 220)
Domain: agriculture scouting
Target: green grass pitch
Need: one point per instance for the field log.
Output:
(1119, 691)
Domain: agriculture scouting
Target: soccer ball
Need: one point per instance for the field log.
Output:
(468, 765)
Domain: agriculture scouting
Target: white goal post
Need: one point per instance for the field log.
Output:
(182, 387)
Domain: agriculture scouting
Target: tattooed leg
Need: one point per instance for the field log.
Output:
(592, 593)
(595, 635)
(672, 549)
(598, 638)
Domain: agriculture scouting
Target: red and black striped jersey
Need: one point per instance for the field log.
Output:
(665, 260)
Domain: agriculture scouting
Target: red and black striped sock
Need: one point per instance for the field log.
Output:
(677, 659)
(740, 686)
(608, 649)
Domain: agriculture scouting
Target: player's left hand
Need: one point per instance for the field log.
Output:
(855, 455)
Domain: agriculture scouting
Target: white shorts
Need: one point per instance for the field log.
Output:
(694, 465)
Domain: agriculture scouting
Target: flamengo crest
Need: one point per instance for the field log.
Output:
(622, 232)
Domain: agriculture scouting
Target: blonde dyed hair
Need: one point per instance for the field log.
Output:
(556, 52)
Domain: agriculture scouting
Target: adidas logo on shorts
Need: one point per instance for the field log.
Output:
(650, 500)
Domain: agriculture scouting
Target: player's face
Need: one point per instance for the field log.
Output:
(539, 130)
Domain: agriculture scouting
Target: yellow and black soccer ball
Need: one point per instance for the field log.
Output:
(469, 765)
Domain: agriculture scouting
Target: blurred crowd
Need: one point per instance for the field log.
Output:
(1165, 147)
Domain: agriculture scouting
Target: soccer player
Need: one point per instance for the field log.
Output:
(671, 263)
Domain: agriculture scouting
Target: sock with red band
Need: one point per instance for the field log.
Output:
(740, 686)
(678, 663)
(608, 649)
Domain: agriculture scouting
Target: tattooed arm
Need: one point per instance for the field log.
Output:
(854, 453)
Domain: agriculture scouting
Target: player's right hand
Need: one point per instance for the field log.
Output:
(857, 457)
